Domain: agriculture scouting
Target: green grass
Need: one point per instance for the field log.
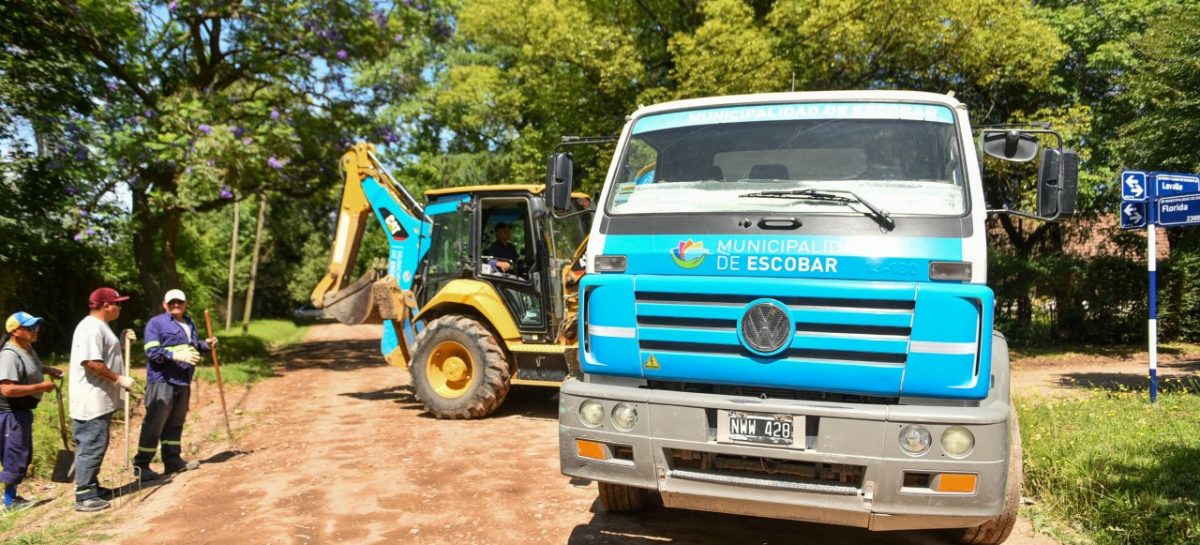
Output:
(62, 532)
(46, 438)
(247, 371)
(1114, 468)
(276, 333)
(244, 358)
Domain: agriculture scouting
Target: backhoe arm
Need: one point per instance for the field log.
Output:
(367, 187)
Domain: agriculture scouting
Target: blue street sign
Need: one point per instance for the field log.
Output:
(1180, 211)
(1133, 215)
(1168, 184)
(1133, 186)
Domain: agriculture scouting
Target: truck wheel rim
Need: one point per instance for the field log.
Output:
(450, 369)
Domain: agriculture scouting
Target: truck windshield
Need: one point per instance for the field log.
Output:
(904, 158)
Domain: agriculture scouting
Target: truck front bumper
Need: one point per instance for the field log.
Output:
(848, 470)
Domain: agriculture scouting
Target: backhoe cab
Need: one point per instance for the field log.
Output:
(479, 291)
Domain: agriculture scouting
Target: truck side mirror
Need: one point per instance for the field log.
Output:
(559, 179)
(1058, 180)
(1010, 145)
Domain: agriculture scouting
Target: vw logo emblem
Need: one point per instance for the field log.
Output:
(766, 328)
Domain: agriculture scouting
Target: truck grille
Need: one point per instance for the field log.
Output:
(760, 392)
(873, 331)
(821, 477)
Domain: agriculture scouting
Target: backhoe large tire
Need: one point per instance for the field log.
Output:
(459, 371)
(995, 531)
(618, 498)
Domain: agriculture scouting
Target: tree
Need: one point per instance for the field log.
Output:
(1162, 94)
(519, 75)
(189, 105)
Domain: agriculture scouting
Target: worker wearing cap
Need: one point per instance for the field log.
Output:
(172, 351)
(503, 253)
(97, 378)
(21, 388)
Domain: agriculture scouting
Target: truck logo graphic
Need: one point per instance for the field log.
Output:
(689, 254)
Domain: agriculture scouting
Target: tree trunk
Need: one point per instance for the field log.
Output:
(262, 208)
(233, 244)
(146, 231)
(155, 248)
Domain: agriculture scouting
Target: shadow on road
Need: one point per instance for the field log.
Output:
(526, 402)
(530, 402)
(662, 525)
(1173, 383)
(221, 457)
(346, 355)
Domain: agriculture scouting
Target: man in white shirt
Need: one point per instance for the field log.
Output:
(97, 375)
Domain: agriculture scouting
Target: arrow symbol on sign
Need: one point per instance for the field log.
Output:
(1132, 213)
(1135, 187)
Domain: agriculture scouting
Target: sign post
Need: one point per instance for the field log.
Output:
(1152, 267)
(1150, 200)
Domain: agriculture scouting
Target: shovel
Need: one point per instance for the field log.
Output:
(64, 461)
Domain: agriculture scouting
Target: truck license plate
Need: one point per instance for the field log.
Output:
(771, 429)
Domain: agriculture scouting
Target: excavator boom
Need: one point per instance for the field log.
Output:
(367, 187)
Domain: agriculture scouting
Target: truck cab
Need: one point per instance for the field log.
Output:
(785, 314)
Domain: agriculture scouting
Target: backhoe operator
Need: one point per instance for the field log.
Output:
(503, 253)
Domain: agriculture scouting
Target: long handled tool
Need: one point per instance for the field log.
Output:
(64, 462)
(128, 336)
(220, 385)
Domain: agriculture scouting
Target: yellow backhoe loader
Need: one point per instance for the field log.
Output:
(479, 291)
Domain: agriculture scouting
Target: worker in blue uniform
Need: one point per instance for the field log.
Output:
(173, 349)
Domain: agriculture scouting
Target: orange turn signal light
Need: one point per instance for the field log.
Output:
(590, 449)
(955, 482)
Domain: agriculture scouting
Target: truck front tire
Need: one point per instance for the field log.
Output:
(996, 531)
(459, 371)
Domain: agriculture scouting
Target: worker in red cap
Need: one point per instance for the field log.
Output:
(97, 377)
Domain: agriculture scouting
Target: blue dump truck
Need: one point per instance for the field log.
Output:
(785, 312)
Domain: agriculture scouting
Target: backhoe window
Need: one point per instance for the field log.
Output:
(905, 158)
(448, 252)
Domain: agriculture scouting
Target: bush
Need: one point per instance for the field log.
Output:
(1054, 298)
(1179, 296)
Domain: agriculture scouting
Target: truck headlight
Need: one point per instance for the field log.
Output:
(624, 416)
(957, 441)
(609, 263)
(591, 413)
(915, 439)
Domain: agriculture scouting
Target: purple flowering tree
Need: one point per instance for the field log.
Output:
(192, 106)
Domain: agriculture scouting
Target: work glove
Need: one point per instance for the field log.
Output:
(212, 342)
(125, 382)
(189, 356)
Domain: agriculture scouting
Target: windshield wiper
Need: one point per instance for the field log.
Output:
(831, 195)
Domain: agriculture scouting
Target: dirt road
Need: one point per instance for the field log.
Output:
(1074, 375)
(341, 452)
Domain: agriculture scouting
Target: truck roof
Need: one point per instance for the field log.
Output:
(810, 96)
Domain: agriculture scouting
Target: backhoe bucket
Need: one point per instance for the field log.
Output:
(355, 304)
